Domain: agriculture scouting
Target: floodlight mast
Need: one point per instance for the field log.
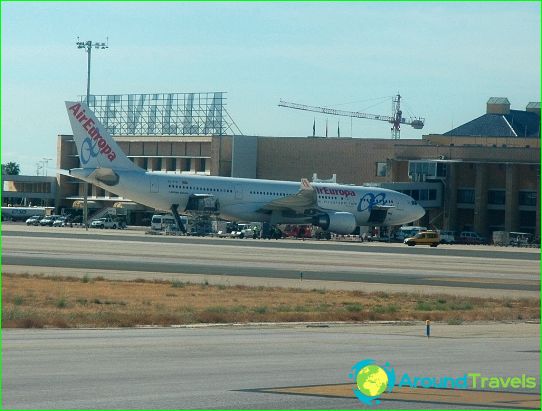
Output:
(87, 45)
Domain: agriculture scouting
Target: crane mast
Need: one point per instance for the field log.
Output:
(396, 119)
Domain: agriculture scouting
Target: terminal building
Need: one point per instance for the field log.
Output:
(481, 176)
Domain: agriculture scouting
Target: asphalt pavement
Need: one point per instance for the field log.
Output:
(248, 367)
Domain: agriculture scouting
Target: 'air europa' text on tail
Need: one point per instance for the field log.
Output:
(92, 131)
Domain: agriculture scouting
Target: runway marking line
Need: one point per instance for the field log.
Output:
(482, 280)
(491, 399)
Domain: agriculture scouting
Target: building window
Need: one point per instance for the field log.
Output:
(381, 169)
(421, 168)
(432, 194)
(527, 221)
(496, 197)
(187, 164)
(170, 164)
(157, 164)
(201, 165)
(495, 220)
(465, 195)
(441, 169)
(527, 198)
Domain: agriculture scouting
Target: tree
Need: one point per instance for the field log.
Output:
(12, 168)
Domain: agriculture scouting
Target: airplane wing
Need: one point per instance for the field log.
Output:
(199, 196)
(304, 199)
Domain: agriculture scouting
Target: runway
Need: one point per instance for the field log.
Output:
(260, 367)
(463, 270)
(264, 367)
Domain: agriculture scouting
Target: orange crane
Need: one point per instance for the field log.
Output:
(396, 119)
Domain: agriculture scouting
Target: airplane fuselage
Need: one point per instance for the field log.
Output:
(241, 199)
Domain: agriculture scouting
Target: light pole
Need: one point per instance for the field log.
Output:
(87, 45)
(45, 162)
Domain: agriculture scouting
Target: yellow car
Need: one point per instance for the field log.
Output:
(431, 238)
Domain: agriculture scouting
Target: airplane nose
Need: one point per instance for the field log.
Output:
(420, 211)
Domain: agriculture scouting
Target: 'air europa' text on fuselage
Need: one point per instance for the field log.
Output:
(334, 191)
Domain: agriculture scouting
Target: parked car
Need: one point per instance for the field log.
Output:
(471, 237)
(97, 223)
(106, 222)
(49, 220)
(407, 231)
(60, 222)
(34, 220)
(431, 238)
(448, 237)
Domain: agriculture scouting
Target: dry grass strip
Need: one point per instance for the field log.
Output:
(40, 301)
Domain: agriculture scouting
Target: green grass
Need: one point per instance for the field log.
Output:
(385, 309)
(261, 309)
(177, 284)
(353, 307)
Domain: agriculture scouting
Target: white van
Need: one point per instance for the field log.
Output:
(160, 222)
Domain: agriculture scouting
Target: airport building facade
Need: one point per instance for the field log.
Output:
(29, 191)
(482, 176)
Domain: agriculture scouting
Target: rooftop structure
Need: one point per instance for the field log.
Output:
(501, 121)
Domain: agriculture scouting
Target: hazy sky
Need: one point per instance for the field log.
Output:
(445, 58)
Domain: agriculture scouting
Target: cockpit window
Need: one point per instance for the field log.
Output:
(414, 202)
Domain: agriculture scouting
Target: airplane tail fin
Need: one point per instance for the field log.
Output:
(95, 146)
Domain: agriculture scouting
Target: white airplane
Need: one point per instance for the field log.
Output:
(334, 207)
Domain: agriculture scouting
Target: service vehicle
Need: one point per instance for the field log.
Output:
(243, 231)
(431, 238)
(447, 237)
(407, 231)
(471, 237)
(517, 239)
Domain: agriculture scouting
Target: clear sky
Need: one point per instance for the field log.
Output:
(445, 58)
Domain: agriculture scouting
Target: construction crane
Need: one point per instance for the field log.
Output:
(396, 119)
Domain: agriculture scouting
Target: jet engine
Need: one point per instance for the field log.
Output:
(340, 222)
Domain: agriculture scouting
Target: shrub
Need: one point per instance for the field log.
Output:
(260, 310)
(461, 306)
(424, 306)
(353, 307)
(177, 284)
